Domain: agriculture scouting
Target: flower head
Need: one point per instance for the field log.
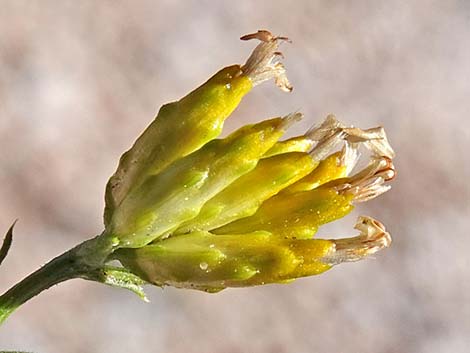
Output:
(193, 211)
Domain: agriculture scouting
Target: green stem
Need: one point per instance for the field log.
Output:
(83, 261)
(60, 269)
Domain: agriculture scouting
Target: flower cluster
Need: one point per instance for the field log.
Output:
(190, 210)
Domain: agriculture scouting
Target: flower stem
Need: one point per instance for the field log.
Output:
(60, 269)
(83, 261)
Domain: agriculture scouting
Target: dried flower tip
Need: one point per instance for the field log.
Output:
(264, 36)
(349, 156)
(290, 119)
(327, 128)
(388, 170)
(379, 166)
(326, 145)
(262, 65)
(372, 239)
(370, 182)
(327, 135)
(374, 139)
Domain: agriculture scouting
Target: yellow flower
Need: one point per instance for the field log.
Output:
(189, 210)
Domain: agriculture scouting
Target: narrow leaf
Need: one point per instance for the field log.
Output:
(7, 243)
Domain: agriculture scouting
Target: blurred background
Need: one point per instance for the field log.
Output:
(80, 80)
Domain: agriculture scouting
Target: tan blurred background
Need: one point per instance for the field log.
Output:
(79, 80)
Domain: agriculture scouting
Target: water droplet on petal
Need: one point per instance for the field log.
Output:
(203, 266)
